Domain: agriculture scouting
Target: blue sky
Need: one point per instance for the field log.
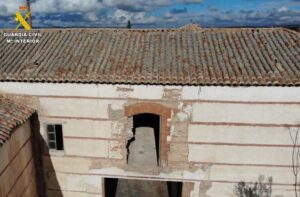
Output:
(154, 13)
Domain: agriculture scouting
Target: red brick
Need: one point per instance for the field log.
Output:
(163, 112)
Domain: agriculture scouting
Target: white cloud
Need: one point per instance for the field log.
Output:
(283, 9)
(44, 6)
(8, 7)
(121, 16)
(91, 16)
(169, 17)
(56, 6)
(189, 1)
(135, 5)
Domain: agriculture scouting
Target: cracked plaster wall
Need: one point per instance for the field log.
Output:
(210, 130)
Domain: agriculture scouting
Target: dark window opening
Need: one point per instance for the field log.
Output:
(110, 187)
(55, 137)
(174, 189)
(144, 147)
(147, 188)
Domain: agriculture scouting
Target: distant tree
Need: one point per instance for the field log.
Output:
(261, 188)
(295, 159)
(128, 24)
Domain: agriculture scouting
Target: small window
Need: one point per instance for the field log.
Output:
(55, 137)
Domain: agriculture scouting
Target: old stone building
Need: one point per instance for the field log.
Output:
(159, 112)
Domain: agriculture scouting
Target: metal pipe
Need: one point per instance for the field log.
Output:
(28, 9)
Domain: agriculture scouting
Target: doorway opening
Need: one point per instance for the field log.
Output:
(147, 188)
(143, 149)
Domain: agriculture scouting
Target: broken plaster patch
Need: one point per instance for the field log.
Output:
(196, 191)
(169, 137)
(92, 184)
(180, 105)
(185, 111)
(115, 171)
(116, 106)
(115, 150)
(204, 187)
(117, 128)
(116, 111)
(196, 175)
(182, 116)
(172, 94)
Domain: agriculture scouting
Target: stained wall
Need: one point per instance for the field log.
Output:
(215, 136)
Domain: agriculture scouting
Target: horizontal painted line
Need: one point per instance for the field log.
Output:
(14, 157)
(80, 97)
(83, 157)
(158, 100)
(235, 182)
(193, 123)
(193, 143)
(160, 178)
(129, 177)
(241, 164)
(245, 144)
(91, 138)
(244, 102)
(76, 118)
(244, 124)
(89, 97)
(192, 162)
(74, 191)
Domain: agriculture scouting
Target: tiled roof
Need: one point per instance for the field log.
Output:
(12, 114)
(240, 56)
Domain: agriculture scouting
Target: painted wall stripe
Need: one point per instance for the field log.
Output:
(238, 124)
(75, 118)
(193, 142)
(244, 144)
(159, 100)
(191, 162)
(241, 164)
(74, 191)
(83, 157)
(160, 179)
(91, 138)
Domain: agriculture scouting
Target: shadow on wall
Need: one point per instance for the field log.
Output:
(47, 182)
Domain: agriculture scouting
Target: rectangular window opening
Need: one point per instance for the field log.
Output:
(55, 137)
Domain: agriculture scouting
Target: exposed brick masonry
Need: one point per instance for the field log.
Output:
(164, 113)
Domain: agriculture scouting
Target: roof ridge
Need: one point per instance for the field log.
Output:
(146, 29)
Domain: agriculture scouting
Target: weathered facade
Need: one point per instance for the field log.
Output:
(217, 136)
(218, 121)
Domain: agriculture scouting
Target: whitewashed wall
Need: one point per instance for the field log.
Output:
(234, 134)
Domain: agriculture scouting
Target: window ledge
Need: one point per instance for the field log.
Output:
(154, 170)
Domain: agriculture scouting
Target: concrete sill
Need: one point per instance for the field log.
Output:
(57, 152)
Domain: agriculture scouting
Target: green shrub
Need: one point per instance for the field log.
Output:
(261, 188)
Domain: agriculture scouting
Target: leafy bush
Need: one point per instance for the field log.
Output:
(262, 188)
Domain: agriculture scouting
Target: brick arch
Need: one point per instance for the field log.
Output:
(164, 113)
